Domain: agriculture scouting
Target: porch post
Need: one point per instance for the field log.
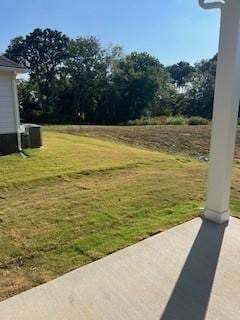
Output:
(225, 113)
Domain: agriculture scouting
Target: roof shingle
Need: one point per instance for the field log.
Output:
(5, 62)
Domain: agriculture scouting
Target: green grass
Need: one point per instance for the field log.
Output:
(80, 198)
(192, 141)
(66, 154)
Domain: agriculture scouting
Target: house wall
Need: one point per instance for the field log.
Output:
(8, 134)
(7, 104)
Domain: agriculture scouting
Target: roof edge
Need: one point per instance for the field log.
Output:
(13, 69)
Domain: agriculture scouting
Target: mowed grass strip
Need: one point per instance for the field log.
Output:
(192, 141)
(80, 199)
(68, 154)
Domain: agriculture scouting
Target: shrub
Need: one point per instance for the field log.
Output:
(197, 121)
(175, 121)
(147, 121)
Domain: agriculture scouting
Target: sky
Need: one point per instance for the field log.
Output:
(171, 30)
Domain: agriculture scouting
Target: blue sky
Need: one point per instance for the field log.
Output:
(172, 30)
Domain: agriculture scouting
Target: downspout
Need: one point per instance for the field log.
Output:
(16, 116)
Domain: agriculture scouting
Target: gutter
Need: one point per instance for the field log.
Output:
(14, 69)
(16, 117)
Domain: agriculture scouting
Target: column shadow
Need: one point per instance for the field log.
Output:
(190, 297)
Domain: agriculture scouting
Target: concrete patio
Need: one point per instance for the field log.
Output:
(189, 272)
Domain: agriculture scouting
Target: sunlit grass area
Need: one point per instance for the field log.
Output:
(81, 198)
(67, 154)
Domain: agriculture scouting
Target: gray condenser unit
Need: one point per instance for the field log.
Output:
(31, 136)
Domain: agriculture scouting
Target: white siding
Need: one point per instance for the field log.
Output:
(7, 118)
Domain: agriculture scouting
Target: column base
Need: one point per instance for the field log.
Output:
(217, 217)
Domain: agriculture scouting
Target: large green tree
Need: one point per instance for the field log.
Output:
(199, 97)
(89, 68)
(140, 80)
(180, 73)
(42, 52)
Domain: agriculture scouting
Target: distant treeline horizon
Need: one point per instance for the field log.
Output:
(81, 81)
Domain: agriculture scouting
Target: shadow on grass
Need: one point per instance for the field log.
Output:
(190, 297)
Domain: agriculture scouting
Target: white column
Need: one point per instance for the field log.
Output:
(225, 113)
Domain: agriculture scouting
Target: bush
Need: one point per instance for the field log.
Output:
(175, 121)
(147, 121)
(197, 121)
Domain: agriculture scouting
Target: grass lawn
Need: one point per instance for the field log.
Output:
(81, 198)
(187, 140)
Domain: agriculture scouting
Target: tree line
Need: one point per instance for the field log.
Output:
(80, 81)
